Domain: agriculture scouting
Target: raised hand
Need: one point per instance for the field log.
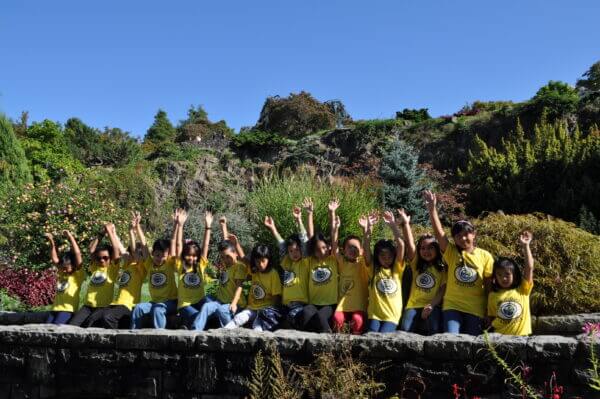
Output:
(525, 238)
(109, 228)
(403, 217)
(223, 220)
(297, 213)
(388, 217)
(208, 219)
(373, 218)
(175, 216)
(183, 216)
(269, 222)
(334, 204)
(363, 222)
(49, 236)
(430, 199)
(232, 238)
(134, 219)
(308, 204)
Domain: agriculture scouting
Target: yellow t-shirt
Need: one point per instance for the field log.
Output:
(295, 280)
(101, 289)
(265, 286)
(353, 286)
(511, 310)
(323, 281)
(161, 282)
(385, 293)
(130, 280)
(67, 291)
(465, 291)
(227, 286)
(424, 286)
(190, 288)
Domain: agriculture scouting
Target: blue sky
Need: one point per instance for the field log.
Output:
(115, 63)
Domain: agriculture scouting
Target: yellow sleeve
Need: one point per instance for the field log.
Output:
(275, 283)
(203, 265)
(526, 287)
(239, 272)
(489, 265)
(286, 263)
(399, 266)
(451, 254)
(444, 278)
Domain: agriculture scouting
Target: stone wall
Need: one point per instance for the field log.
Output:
(42, 361)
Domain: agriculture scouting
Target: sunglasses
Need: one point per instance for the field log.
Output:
(104, 258)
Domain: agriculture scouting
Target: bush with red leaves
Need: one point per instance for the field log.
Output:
(34, 288)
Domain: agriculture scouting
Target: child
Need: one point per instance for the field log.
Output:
(469, 274)
(295, 269)
(132, 274)
(163, 289)
(231, 275)
(508, 303)
(323, 279)
(385, 285)
(428, 280)
(104, 271)
(354, 279)
(70, 278)
(264, 296)
(191, 266)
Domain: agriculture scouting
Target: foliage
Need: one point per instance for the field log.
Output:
(588, 221)
(256, 140)
(376, 130)
(197, 127)
(111, 147)
(268, 380)
(47, 150)
(590, 82)
(557, 98)
(9, 303)
(536, 174)
(32, 287)
(79, 205)
(403, 181)
(14, 169)
(567, 272)
(295, 116)
(414, 115)
(276, 196)
(161, 131)
(593, 332)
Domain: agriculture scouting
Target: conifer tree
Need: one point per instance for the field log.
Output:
(14, 169)
(161, 131)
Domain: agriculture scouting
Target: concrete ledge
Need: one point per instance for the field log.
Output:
(43, 360)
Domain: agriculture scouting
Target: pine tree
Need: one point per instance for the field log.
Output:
(403, 181)
(161, 131)
(14, 169)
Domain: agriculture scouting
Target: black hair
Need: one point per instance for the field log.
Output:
(380, 246)
(312, 243)
(187, 247)
(103, 247)
(293, 239)
(507, 263)
(161, 245)
(462, 226)
(348, 238)
(258, 252)
(69, 257)
(225, 245)
(137, 245)
(438, 262)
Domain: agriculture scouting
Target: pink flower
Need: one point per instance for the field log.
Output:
(592, 329)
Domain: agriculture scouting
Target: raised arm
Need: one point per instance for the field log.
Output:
(74, 248)
(388, 218)
(141, 236)
(53, 252)
(297, 213)
(236, 243)
(365, 225)
(409, 241)
(183, 216)
(96, 241)
(270, 224)
(525, 241)
(223, 225)
(208, 219)
(334, 222)
(431, 203)
(173, 249)
(310, 208)
(114, 241)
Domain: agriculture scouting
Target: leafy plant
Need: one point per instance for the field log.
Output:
(32, 288)
(14, 169)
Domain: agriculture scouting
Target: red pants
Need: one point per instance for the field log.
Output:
(356, 320)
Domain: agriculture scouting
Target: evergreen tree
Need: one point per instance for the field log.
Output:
(14, 169)
(403, 181)
(161, 131)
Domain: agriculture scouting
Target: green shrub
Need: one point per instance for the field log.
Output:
(256, 140)
(557, 98)
(14, 169)
(414, 115)
(10, 304)
(276, 196)
(567, 271)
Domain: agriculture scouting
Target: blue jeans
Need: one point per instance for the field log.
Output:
(59, 317)
(189, 313)
(433, 322)
(210, 308)
(456, 322)
(381, 326)
(158, 310)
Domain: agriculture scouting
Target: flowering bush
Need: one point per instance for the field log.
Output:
(32, 287)
(78, 205)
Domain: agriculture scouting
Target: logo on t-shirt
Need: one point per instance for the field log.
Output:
(98, 278)
(321, 275)
(62, 286)
(191, 280)
(387, 286)
(425, 281)
(465, 274)
(124, 279)
(347, 285)
(258, 292)
(158, 279)
(509, 310)
(288, 278)
(223, 277)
